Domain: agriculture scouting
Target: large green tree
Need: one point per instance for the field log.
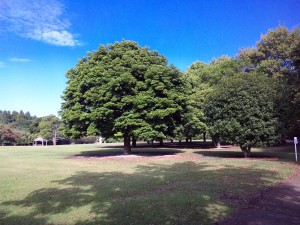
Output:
(123, 88)
(198, 79)
(201, 79)
(277, 55)
(241, 111)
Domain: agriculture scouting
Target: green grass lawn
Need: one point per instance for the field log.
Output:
(75, 184)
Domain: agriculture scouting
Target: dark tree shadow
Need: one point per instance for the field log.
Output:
(276, 205)
(183, 145)
(6, 219)
(234, 154)
(181, 193)
(140, 152)
(284, 153)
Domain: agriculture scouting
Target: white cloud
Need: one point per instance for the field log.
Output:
(22, 60)
(41, 20)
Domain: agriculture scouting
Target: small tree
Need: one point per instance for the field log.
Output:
(8, 135)
(241, 111)
(49, 128)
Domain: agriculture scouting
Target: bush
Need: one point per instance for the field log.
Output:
(86, 140)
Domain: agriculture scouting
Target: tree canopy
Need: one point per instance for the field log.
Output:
(241, 111)
(125, 88)
(277, 56)
(50, 128)
(8, 135)
(201, 79)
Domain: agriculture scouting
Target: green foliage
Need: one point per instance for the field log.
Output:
(200, 73)
(197, 79)
(123, 88)
(241, 111)
(22, 124)
(224, 66)
(50, 128)
(277, 56)
(201, 78)
(86, 140)
(19, 120)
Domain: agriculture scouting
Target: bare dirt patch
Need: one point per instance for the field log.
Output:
(136, 156)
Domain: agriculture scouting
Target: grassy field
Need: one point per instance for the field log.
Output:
(86, 184)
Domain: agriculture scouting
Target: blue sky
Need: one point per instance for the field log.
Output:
(41, 39)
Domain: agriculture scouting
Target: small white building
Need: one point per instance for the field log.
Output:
(40, 140)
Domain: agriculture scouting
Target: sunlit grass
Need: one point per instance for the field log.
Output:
(76, 184)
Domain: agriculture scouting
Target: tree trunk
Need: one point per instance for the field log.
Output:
(54, 140)
(191, 139)
(216, 142)
(246, 150)
(127, 147)
(54, 137)
(186, 139)
(204, 137)
(133, 142)
(161, 142)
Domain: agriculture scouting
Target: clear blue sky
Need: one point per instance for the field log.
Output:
(41, 39)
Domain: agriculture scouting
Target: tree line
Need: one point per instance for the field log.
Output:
(19, 128)
(123, 89)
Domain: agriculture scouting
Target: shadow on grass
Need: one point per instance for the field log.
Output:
(183, 145)
(284, 153)
(140, 152)
(234, 154)
(181, 193)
